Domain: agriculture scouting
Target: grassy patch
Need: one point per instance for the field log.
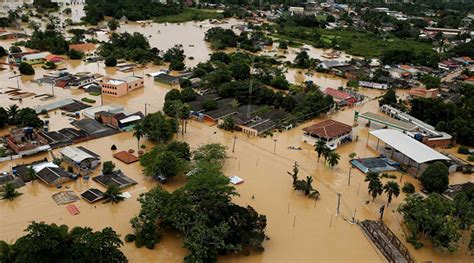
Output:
(190, 14)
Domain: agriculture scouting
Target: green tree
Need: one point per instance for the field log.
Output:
(27, 117)
(47, 243)
(3, 117)
(433, 218)
(26, 69)
(110, 61)
(113, 194)
(302, 60)
(430, 81)
(9, 192)
(239, 70)
(294, 174)
(108, 167)
(389, 98)
(408, 188)
(375, 186)
(320, 148)
(228, 124)
(212, 153)
(75, 54)
(138, 133)
(113, 24)
(306, 187)
(159, 128)
(202, 213)
(435, 178)
(30, 174)
(391, 188)
(166, 164)
(333, 159)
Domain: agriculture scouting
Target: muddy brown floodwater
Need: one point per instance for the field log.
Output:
(300, 229)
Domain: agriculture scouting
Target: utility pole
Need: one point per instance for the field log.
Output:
(338, 203)
(349, 179)
(233, 146)
(274, 145)
(145, 109)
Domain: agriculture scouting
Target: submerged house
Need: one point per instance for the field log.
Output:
(37, 58)
(26, 141)
(332, 132)
(51, 174)
(80, 157)
(167, 79)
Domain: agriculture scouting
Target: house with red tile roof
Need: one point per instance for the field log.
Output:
(332, 132)
(341, 97)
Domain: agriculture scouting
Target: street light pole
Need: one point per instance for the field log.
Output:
(338, 203)
(349, 179)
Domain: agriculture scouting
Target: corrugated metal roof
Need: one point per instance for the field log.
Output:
(76, 154)
(408, 146)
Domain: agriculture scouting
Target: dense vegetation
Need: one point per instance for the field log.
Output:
(132, 47)
(438, 219)
(358, 43)
(158, 128)
(453, 118)
(25, 117)
(166, 160)
(202, 212)
(223, 38)
(134, 10)
(49, 40)
(50, 243)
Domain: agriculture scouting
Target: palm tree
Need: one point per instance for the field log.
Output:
(9, 192)
(333, 158)
(138, 133)
(12, 112)
(326, 152)
(306, 186)
(391, 188)
(113, 194)
(375, 186)
(294, 175)
(320, 145)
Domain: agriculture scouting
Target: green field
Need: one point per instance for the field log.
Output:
(190, 14)
(352, 42)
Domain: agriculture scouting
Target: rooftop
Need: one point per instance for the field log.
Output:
(408, 146)
(328, 129)
(76, 154)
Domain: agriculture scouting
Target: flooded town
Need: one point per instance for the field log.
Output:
(236, 131)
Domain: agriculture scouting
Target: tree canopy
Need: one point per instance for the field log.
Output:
(435, 178)
(202, 212)
(48, 243)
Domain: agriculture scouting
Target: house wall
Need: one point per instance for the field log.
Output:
(114, 90)
(313, 140)
(136, 84)
(437, 143)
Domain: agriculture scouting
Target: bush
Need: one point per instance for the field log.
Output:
(139, 242)
(26, 69)
(463, 149)
(130, 238)
(75, 54)
(408, 188)
(110, 62)
(150, 244)
(471, 158)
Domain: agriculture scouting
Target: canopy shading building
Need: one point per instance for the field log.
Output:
(406, 150)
